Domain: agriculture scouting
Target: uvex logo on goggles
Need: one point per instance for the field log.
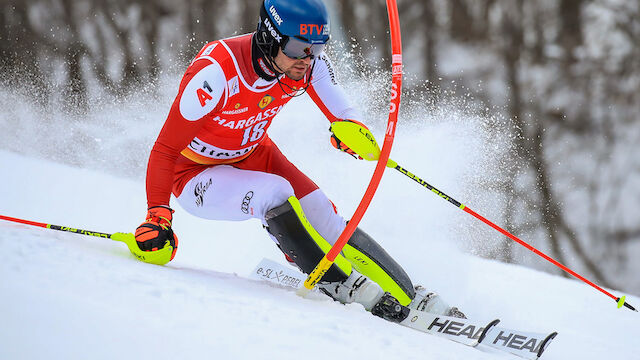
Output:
(310, 29)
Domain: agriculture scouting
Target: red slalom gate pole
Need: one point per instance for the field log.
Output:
(396, 86)
(620, 300)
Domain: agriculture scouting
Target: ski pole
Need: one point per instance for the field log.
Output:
(620, 300)
(127, 238)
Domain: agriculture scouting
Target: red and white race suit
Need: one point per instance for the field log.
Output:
(214, 153)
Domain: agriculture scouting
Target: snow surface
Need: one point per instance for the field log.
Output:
(66, 296)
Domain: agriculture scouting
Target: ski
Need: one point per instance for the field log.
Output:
(528, 345)
(275, 273)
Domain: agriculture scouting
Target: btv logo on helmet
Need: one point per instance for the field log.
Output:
(310, 29)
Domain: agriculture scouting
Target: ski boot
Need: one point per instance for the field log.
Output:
(356, 288)
(432, 303)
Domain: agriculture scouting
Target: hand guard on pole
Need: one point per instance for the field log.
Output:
(340, 145)
(354, 138)
(156, 235)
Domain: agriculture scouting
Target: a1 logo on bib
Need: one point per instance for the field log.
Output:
(266, 100)
(201, 95)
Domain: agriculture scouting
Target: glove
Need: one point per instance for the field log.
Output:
(155, 233)
(338, 144)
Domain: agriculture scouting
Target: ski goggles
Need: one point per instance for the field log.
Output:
(298, 49)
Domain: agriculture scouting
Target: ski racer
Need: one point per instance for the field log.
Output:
(215, 155)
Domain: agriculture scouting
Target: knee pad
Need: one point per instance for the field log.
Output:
(301, 242)
(371, 260)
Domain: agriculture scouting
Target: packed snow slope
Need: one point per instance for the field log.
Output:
(66, 296)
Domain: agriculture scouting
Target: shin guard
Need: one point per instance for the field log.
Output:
(301, 242)
(371, 260)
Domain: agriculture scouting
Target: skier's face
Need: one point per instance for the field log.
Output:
(293, 68)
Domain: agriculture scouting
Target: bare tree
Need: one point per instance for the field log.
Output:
(19, 52)
(461, 21)
(570, 35)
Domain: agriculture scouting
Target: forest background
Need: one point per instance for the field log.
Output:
(556, 82)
